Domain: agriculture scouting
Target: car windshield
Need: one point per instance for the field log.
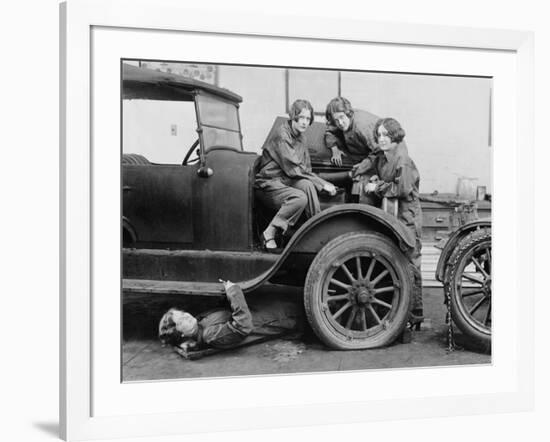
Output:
(219, 121)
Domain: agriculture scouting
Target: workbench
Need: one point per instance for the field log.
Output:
(444, 213)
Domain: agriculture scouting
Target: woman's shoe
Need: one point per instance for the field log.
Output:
(269, 244)
(416, 318)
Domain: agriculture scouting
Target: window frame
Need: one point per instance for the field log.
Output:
(200, 124)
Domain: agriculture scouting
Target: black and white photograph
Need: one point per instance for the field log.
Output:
(267, 221)
(287, 220)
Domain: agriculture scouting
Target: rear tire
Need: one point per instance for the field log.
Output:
(357, 292)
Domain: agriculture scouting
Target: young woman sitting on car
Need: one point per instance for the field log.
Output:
(284, 180)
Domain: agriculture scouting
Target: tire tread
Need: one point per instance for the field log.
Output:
(470, 240)
(311, 277)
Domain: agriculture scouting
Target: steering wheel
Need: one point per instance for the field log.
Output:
(189, 152)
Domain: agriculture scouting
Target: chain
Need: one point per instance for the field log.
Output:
(449, 320)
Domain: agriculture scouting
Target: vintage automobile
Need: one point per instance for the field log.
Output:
(464, 268)
(186, 225)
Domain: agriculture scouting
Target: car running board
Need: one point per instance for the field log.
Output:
(157, 287)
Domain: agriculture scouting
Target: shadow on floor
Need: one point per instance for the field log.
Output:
(51, 428)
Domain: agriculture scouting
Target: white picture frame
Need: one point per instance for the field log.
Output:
(82, 374)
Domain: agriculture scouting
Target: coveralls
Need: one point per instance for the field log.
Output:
(222, 328)
(399, 178)
(358, 141)
(284, 180)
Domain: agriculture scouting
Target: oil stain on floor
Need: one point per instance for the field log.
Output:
(284, 351)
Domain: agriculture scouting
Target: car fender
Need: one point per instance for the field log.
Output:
(317, 231)
(332, 222)
(452, 242)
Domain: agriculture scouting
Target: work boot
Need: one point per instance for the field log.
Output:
(416, 317)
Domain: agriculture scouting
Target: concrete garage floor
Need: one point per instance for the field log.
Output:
(145, 359)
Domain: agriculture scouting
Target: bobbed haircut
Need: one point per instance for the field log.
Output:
(168, 334)
(338, 104)
(297, 107)
(395, 132)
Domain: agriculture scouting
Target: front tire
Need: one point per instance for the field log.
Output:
(357, 292)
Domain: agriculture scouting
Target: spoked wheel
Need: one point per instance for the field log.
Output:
(357, 292)
(470, 286)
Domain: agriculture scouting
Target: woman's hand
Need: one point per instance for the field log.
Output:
(361, 168)
(226, 284)
(372, 184)
(330, 188)
(337, 155)
(370, 187)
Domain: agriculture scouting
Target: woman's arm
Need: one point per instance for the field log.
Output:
(241, 316)
(334, 142)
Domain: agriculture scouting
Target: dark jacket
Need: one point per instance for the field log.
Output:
(399, 178)
(223, 328)
(358, 141)
(286, 157)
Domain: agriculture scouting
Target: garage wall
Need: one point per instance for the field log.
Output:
(446, 120)
(263, 92)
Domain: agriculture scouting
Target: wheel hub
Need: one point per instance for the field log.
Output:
(361, 293)
(363, 297)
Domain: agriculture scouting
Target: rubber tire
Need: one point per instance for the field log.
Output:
(135, 159)
(461, 318)
(320, 267)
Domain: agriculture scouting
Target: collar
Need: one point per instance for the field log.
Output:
(393, 153)
(351, 124)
